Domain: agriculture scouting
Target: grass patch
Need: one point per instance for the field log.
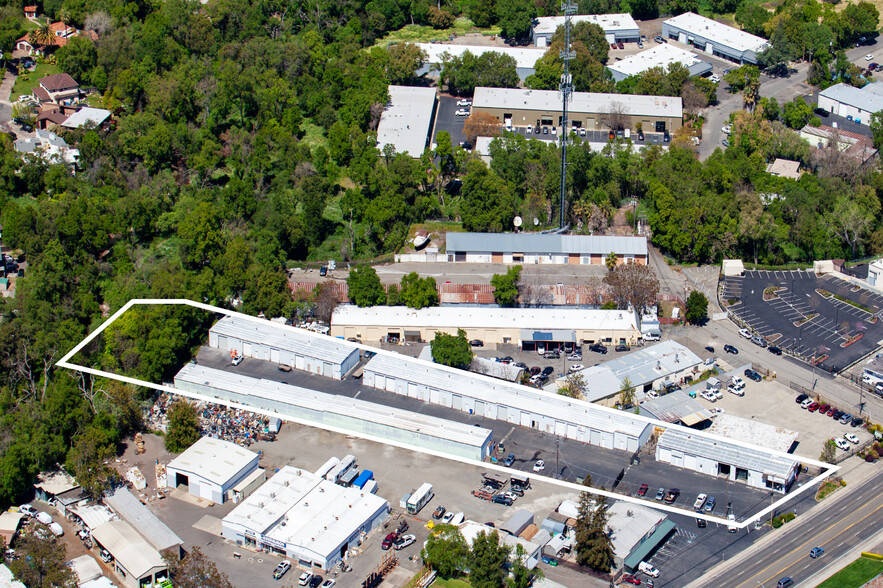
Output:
(426, 34)
(452, 583)
(25, 83)
(854, 575)
(855, 304)
(786, 267)
(314, 135)
(828, 487)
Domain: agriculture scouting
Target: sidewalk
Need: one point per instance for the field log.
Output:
(6, 87)
(873, 545)
(854, 472)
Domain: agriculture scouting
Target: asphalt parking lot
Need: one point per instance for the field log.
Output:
(446, 120)
(828, 338)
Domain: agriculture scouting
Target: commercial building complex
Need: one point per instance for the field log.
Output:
(299, 515)
(527, 327)
(538, 248)
(714, 38)
(407, 119)
(616, 27)
(521, 108)
(437, 53)
(297, 348)
(660, 56)
(857, 104)
(359, 416)
(210, 468)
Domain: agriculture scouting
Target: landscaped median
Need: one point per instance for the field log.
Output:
(856, 574)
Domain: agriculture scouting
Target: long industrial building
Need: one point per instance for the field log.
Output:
(663, 56)
(526, 327)
(406, 120)
(298, 348)
(538, 248)
(498, 400)
(715, 38)
(616, 27)
(404, 426)
(514, 107)
(299, 515)
(856, 104)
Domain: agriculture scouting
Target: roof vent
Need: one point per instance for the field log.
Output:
(658, 364)
(677, 358)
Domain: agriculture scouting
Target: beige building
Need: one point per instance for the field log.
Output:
(515, 107)
(531, 328)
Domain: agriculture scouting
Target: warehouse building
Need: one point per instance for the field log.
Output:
(856, 104)
(498, 400)
(713, 37)
(406, 120)
(715, 456)
(437, 53)
(515, 107)
(635, 531)
(527, 327)
(678, 408)
(303, 517)
(211, 468)
(538, 248)
(339, 411)
(148, 525)
(297, 348)
(616, 27)
(662, 56)
(135, 561)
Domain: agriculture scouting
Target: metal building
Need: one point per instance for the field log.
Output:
(714, 38)
(298, 348)
(339, 411)
(616, 27)
(211, 468)
(538, 248)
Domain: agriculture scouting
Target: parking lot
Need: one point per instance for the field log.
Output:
(805, 317)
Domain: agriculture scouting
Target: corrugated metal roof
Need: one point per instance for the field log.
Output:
(466, 293)
(629, 523)
(298, 397)
(675, 407)
(157, 533)
(641, 366)
(721, 34)
(532, 243)
(215, 460)
(515, 396)
(738, 455)
(128, 548)
(287, 338)
(517, 522)
(856, 97)
(661, 55)
(525, 57)
(582, 102)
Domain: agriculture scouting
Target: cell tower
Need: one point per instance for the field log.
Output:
(566, 87)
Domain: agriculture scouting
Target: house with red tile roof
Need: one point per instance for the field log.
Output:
(30, 12)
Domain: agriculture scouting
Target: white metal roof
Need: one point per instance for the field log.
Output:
(215, 460)
(300, 341)
(93, 515)
(454, 317)
(860, 98)
(86, 115)
(9, 521)
(751, 431)
(677, 406)
(148, 524)
(740, 455)
(525, 57)
(653, 362)
(629, 524)
(300, 508)
(85, 567)
(610, 23)
(519, 397)
(334, 404)
(56, 482)
(544, 244)
(661, 55)
(717, 32)
(406, 119)
(581, 103)
(128, 548)
(7, 579)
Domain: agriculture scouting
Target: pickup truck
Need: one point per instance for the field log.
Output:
(672, 495)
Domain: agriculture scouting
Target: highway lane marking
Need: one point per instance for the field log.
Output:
(803, 545)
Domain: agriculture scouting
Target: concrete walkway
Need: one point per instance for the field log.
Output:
(6, 88)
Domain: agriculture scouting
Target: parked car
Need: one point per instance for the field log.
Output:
(598, 348)
(851, 438)
(813, 407)
(238, 359)
(548, 370)
(323, 271)
(659, 39)
(502, 499)
(449, 516)
(535, 370)
(28, 510)
(552, 355)
(660, 494)
(461, 112)
(439, 512)
(304, 578)
(845, 419)
(577, 367)
(869, 57)
(620, 45)
(329, 583)
(816, 552)
(709, 504)
(807, 403)
(672, 495)
(613, 45)
(539, 466)
(477, 343)
(801, 398)
(642, 491)
(745, 333)
(315, 581)
(731, 349)
(759, 341)
(630, 579)
(645, 568)
(622, 348)
(837, 414)
(464, 102)
(389, 540)
(774, 350)
(510, 459)
(700, 502)
(405, 541)
(841, 443)
(856, 422)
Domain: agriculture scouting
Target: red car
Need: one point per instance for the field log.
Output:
(643, 490)
(389, 540)
(620, 45)
(630, 579)
(813, 407)
(824, 409)
(613, 45)
(831, 411)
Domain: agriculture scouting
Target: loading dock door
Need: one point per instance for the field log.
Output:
(497, 257)
(573, 258)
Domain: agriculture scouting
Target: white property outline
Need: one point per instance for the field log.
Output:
(65, 363)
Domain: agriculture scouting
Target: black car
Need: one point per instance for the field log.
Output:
(535, 370)
(775, 350)
(640, 135)
(753, 375)
(548, 370)
(21, 273)
(622, 348)
(701, 523)
(502, 499)
(666, 137)
(521, 365)
(315, 581)
(552, 355)
(323, 271)
(598, 348)
(731, 349)
(837, 414)
(801, 398)
(439, 512)
(477, 343)
(856, 422)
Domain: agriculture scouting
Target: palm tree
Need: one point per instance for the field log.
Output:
(41, 35)
(611, 260)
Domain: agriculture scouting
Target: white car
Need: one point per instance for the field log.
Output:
(737, 382)
(736, 390)
(731, 518)
(726, 129)
(449, 516)
(464, 102)
(574, 357)
(404, 541)
(717, 393)
(841, 443)
(700, 501)
(851, 438)
(745, 333)
(582, 132)
(577, 367)
(648, 569)
(528, 131)
(708, 395)
(238, 359)
(462, 112)
(869, 57)
(28, 510)
(540, 465)
(715, 78)
(652, 394)
(554, 130)
(305, 578)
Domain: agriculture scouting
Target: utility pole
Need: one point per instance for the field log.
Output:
(566, 87)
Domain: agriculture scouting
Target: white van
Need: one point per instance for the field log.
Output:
(56, 529)
(648, 569)
(44, 518)
(651, 336)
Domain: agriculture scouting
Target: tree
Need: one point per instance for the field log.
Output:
(183, 428)
(488, 200)
(325, 300)
(829, 452)
(481, 124)
(514, 17)
(404, 60)
(486, 561)
(196, 570)
(852, 217)
(450, 350)
(89, 457)
(520, 575)
(364, 287)
(877, 129)
(633, 285)
(574, 386)
(594, 547)
(610, 261)
(796, 113)
(417, 292)
(506, 286)
(42, 35)
(78, 57)
(41, 560)
(446, 551)
(697, 308)
(626, 394)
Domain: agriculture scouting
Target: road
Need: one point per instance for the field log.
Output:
(839, 528)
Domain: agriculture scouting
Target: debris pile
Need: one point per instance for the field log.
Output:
(237, 426)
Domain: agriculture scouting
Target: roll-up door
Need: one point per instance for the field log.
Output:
(274, 355)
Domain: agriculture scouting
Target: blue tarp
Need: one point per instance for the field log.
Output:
(363, 478)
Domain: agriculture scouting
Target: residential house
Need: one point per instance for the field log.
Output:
(48, 146)
(30, 12)
(60, 33)
(60, 88)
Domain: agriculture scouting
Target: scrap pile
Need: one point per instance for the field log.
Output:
(237, 426)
